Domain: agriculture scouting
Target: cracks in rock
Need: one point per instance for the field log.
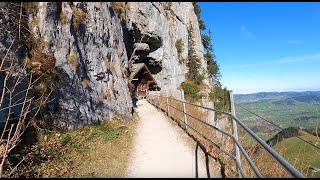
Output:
(179, 18)
(73, 33)
(139, 45)
(156, 7)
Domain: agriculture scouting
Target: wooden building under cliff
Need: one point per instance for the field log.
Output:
(142, 80)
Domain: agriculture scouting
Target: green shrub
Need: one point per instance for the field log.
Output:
(68, 141)
(193, 65)
(202, 26)
(197, 9)
(179, 46)
(221, 98)
(191, 91)
(213, 69)
(198, 78)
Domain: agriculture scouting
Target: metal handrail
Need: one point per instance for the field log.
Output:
(277, 157)
(216, 145)
(271, 151)
(255, 169)
(224, 151)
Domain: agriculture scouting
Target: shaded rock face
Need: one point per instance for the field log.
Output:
(91, 60)
(12, 49)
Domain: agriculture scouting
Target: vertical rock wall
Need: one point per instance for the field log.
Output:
(160, 25)
(91, 44)
(91, 60)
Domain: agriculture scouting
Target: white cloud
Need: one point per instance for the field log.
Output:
(246, 33)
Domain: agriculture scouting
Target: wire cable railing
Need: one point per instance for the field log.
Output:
(155, 99)
(275, 124)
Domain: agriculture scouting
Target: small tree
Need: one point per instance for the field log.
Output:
(202, 26)
(20, 102)
(193, 63)
(197, 11)
(212, 65)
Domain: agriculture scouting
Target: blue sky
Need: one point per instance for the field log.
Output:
(265, 46)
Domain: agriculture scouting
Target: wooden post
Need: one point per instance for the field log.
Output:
(184, 109)
(235, 131)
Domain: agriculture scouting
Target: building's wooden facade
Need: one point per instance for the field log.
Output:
(143, 80)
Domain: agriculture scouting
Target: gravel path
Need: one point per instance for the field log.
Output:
(162, 148)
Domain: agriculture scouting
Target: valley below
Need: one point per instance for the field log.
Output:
(287, 121)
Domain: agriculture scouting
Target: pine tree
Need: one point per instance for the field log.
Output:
(193, 63)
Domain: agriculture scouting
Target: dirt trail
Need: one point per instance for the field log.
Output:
(162, 148)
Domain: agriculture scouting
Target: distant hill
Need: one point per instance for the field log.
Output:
(297, 113)
(298, 109)
(300, 154)
(285, 133)
(305, 96)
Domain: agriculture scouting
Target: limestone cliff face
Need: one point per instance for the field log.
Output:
(91, 59)
(161, 25)
(92, 44)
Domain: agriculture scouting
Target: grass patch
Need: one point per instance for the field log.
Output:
(63, 17)
(91, 151)
(120, 9)
(179, 46)
(298, 153)
(33, 23)
(73, 62)
(32, 7)
(301, 154)
(85, 83)
(78, 17)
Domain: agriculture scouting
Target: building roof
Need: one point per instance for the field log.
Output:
(137, 67)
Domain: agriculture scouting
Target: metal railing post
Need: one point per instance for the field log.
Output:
(235, 131)
(167, 103)
(184, 109)
(159, 99)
